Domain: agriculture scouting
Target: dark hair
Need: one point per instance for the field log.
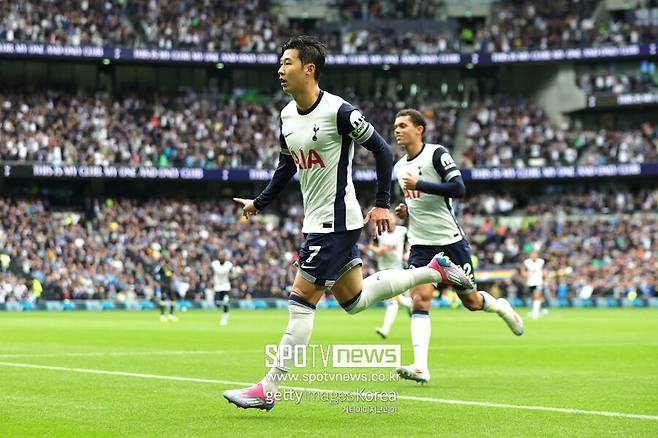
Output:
(415, 116)
(310, 50)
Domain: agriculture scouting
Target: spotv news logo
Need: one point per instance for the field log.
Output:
(336, 356)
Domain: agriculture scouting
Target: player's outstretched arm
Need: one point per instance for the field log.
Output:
(282, 176)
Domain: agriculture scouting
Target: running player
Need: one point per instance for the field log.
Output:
(429, 179)
(533, 271)
(389, 252)
(222, 284)
(318, 134)
(164, 274)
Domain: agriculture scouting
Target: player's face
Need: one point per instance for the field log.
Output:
(406, 133)
(292, 74)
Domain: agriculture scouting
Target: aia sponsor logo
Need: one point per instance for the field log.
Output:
(308, 160)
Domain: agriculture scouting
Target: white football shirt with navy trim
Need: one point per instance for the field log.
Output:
(221, 273)
(431, 221)
(392, 259)
(321, 142)
(535, 270)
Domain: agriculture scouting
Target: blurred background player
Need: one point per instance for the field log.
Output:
(318, 133)
(222, 284)
(389, 252)
(533, 271)
(164, 274)
(429, 179)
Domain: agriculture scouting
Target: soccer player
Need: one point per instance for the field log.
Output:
(164, 274)
(533, 271)
(318, 133)
(222, 284)
(429, 179)
(389, 252)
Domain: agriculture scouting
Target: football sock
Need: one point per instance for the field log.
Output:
(387, 284)
(421, 330)
(536, 306)
(301, 315)
(490, 304)
(389, 316)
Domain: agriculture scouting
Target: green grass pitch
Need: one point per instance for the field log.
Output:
(128, 374)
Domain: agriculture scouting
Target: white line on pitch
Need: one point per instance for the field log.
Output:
(400, 397)
(526, 346)
(111, 353)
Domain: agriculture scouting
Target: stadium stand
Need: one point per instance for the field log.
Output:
(259, 26)
(599, 239)
(506, 131)
(189, 130)
(101, 242)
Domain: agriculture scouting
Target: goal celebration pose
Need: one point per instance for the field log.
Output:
(318, 134)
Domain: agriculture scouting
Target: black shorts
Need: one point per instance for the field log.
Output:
(219, 296)
(542, 290)
(324, 258)
(167, 292)
(458, 252)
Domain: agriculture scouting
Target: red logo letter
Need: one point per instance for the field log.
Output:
(314, 158)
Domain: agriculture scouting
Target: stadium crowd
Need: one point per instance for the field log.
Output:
(111, 249)
(605, 82)
(197, 130)
(191, 130)
(514, 132)
(547, 24)
(613, 201)
(606, 242)
(256, 26)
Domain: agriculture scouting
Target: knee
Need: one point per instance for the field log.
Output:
(421, 303)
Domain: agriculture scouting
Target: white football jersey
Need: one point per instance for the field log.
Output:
(392, 259)
(431, 221)
(221, 273)
(321, 142)
(535, 270)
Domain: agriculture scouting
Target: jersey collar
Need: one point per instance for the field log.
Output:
(315, 105)
(419, 152)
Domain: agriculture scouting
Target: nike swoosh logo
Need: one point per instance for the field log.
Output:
(288, 134)
(307, 267)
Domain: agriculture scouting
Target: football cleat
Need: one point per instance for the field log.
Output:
(380, 331)
(252, 397)
(163, 318)
(451, 274)
(173, 318)
(412, 373)
(513, 319)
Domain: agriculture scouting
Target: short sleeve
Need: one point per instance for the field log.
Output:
(444, 164)
(351, 122)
